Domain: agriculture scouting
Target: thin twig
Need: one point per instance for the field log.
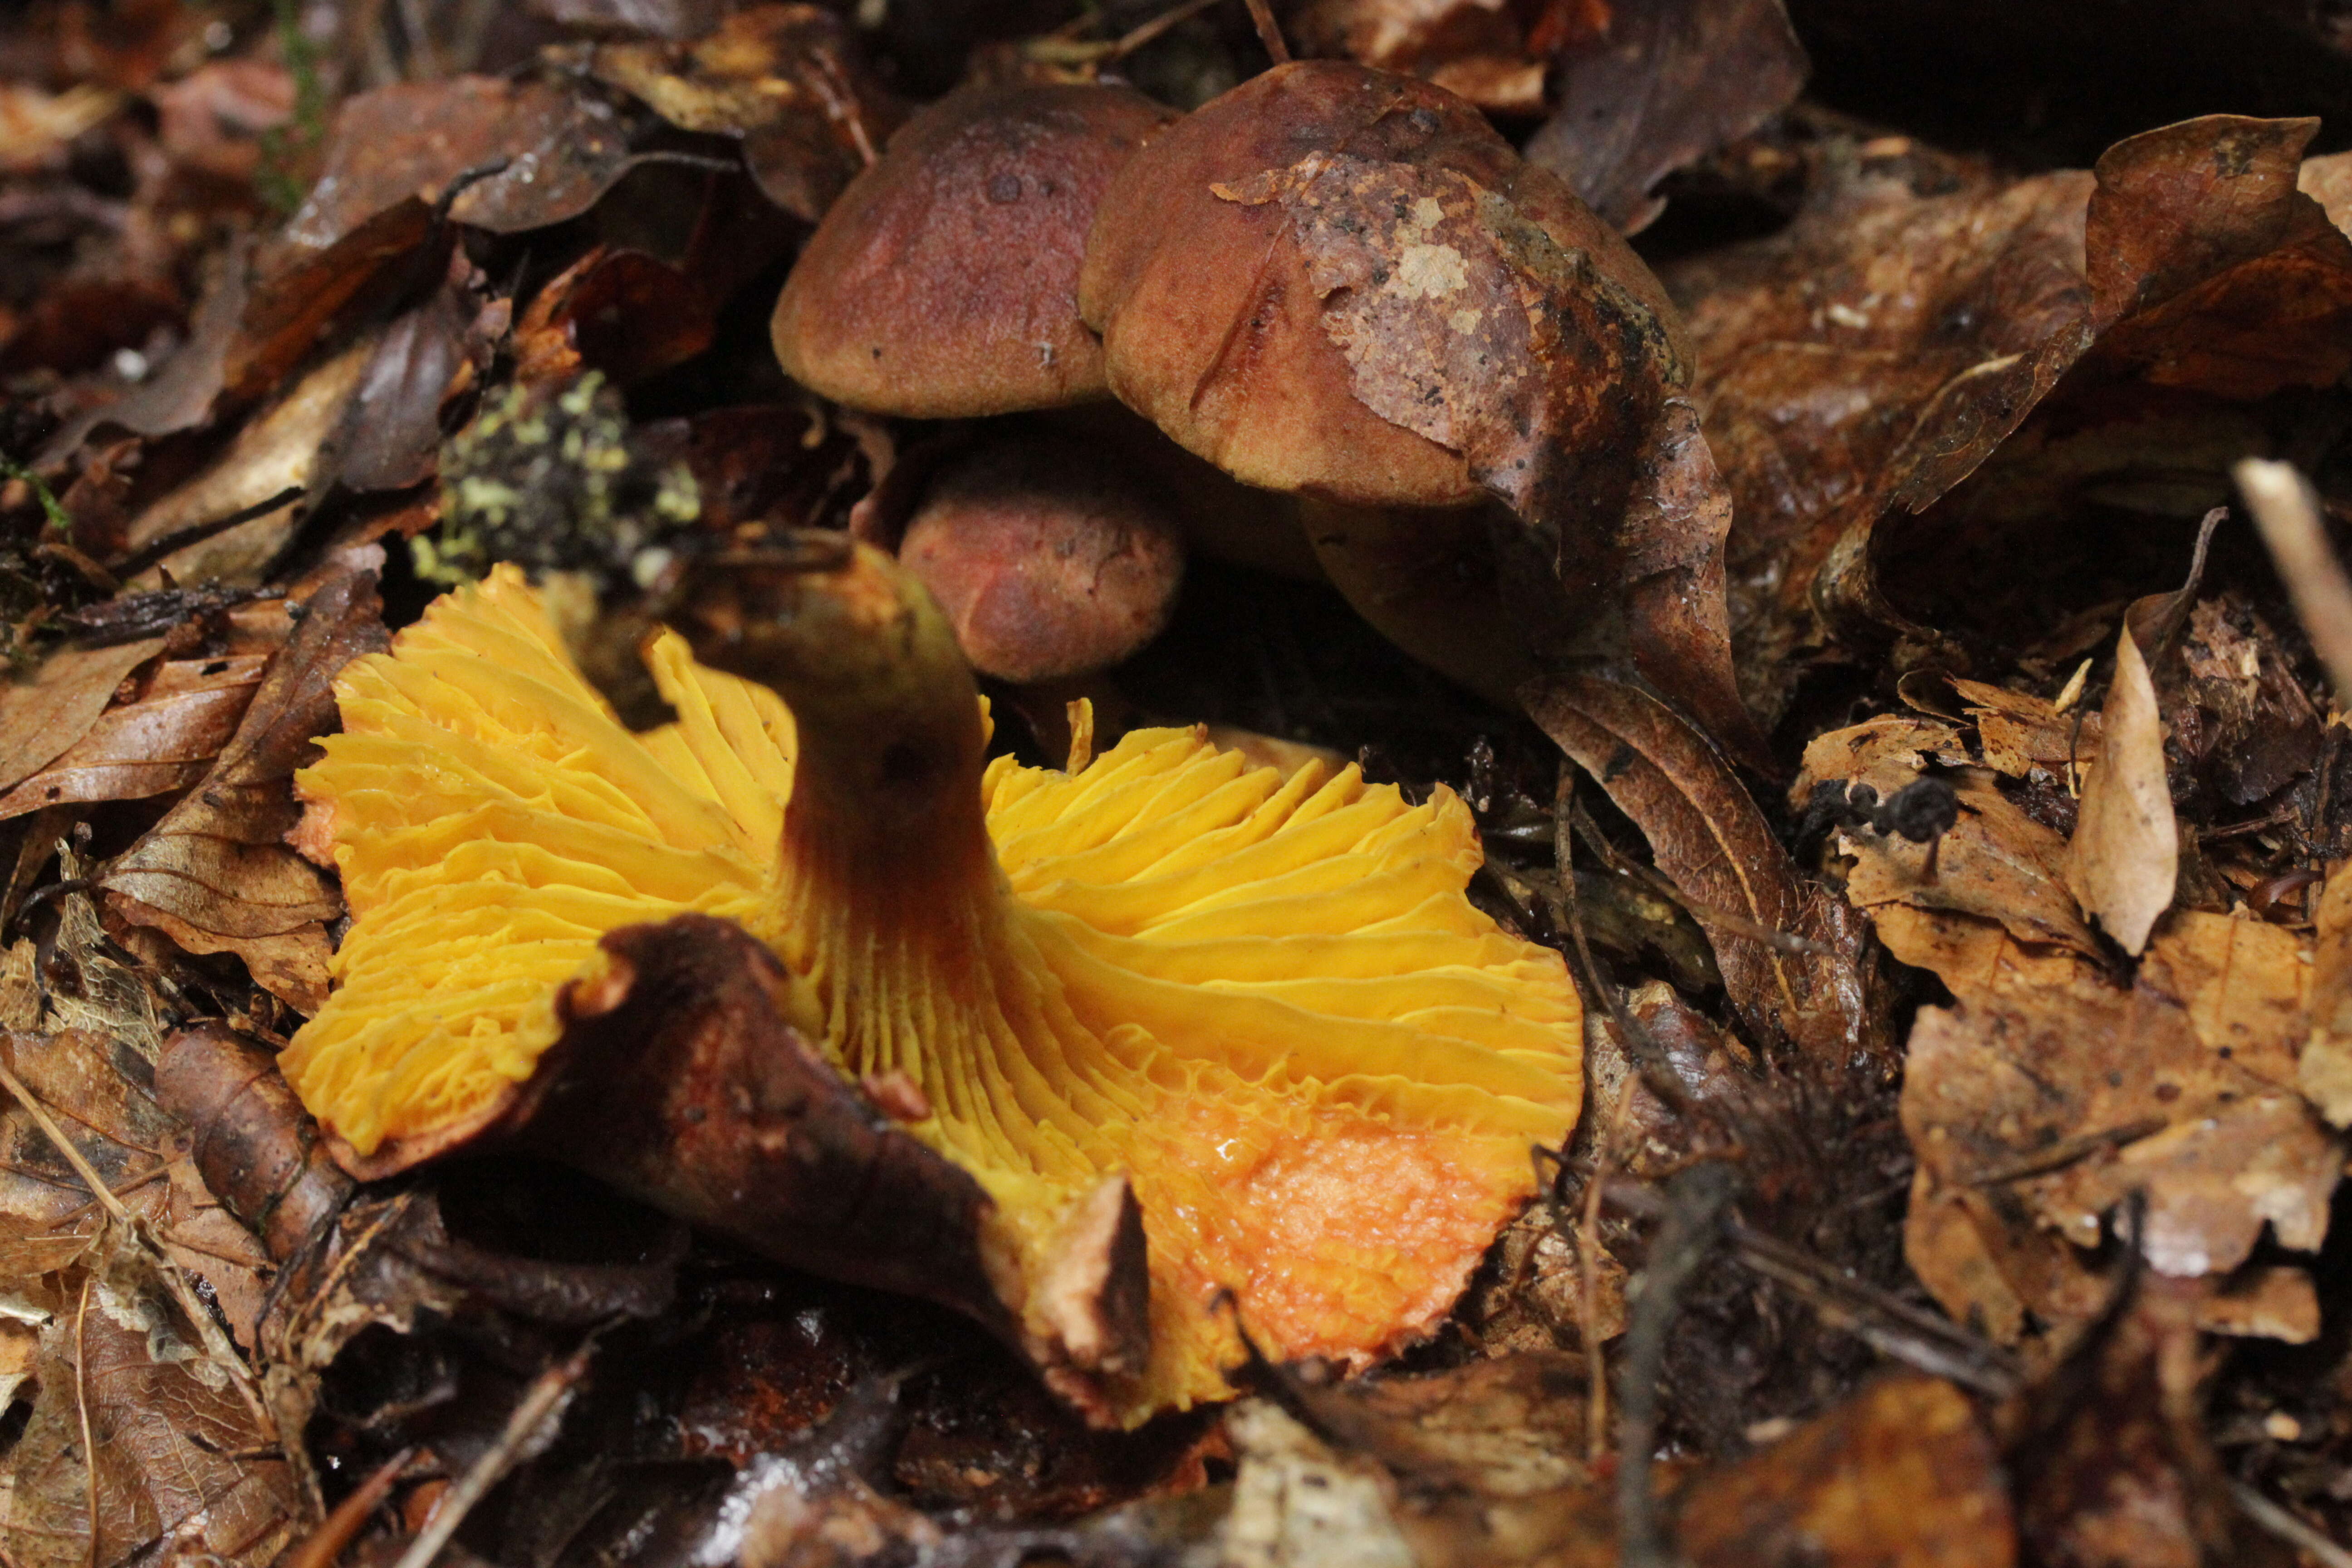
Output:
(2287, 1527)
(1695, 1203)
(323, 1545)
(81, 1405)
(2287, 512)
(1269, 32)
(542, 1401)
(1135, 37)
(1588, 1266)
(2065, 1152)
(157, 551)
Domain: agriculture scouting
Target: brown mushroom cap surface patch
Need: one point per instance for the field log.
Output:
(1343, 281)
(1049, 560)
(943, 283)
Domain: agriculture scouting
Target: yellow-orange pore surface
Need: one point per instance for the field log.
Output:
(1264, 1000)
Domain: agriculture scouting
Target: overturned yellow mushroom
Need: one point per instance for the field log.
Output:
(1260, 1006)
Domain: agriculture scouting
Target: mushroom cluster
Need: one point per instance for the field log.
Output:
(1256, 1012)
(1333, 283)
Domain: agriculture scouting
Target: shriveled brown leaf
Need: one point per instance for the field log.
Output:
(411, 139)
(216, 874)
(2125, 856)
(2276, 1302)
(94, 1089)
(128, 1393)
(2025, 736)
(1663, 85)
(789, 81)
(161, 740)
(1707, 835)
(2050, 1093)
(46, 711)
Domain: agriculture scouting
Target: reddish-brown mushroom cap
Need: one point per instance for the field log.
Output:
(943, 283)
(1048, 557)
(1212, 315)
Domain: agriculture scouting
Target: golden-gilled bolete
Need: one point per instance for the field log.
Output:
(1336, 280)
(1256, 1011)
(943, 283)
(1341, 282)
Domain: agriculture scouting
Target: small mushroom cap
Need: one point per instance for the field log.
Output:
(1212, 323)
(1049, 560)
(943, 283)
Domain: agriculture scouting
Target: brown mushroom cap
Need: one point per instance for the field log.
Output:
(1212, 323)
(943, 283)
(1049, 559)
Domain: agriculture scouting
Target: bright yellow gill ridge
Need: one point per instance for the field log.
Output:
(1267, 1001)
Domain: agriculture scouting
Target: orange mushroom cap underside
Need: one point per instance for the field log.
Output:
(1263, 1000)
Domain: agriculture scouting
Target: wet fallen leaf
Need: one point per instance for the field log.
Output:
(2125, 856)
(1662, 86)
(215, 875)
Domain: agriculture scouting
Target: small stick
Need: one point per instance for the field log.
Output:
(1143, 33)
(543, 1399)
(2287, 1527)
(81, 1406)
(2287, 513)
(323, 1545)
(1588, 1267)
(1269, 32)
(1696, 1201)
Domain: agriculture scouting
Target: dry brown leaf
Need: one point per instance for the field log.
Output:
(2025, 736)
(45, 713)
(1859, 366)
(2125, 856)
(1708, 835)
(2049, 1093)
(216, 874)
(161, 740)
(1994, 861)
(2274, 1302)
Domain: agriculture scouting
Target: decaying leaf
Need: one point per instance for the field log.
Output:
(1994, 861)
(161, 740)
(216, 874)
(2325, 1071)
(1874, 356)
